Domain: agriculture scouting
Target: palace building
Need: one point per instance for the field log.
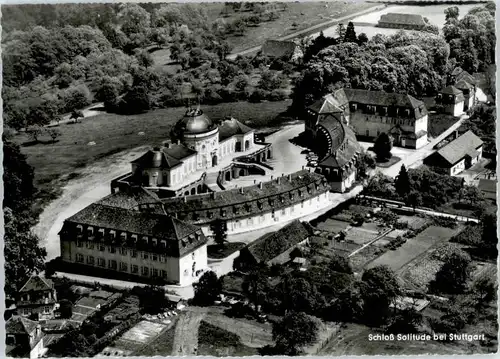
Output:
(370, 113)
(136, 244)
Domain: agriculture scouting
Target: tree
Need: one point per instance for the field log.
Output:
(255, 285)
(54, 133)
(451, 13)
(144, 58)
(362, 39)
(207, 290)
(382, 147)
(414, 199)
(485, 290)
(152, 299)
(379, 288)
(65, 309)
(402, 182)
(293, 332)
(340, 30)
(350, 33)
(405, 322)
(489, 238)
(453, 275)
(136, 101)
(219, 231)
(340, 264)
(34, 132)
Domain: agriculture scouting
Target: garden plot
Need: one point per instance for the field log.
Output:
(360, 235)
(414, 247)
(332, 225)
(143, 332)
(414, 222)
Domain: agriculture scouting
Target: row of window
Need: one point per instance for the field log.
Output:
(382, 110)
(121, 266)
(123, 251)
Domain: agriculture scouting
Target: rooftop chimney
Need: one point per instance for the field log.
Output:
(272, 177)
(303, 167)
(167, 144)
(212, 195)
(290, 177)
(254, 181)
(260, 185)
(241, 190)
(279, 180)
(178, 142)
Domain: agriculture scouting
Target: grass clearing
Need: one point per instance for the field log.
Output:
(216, 341)
(216, 252)
(161, 345)
(438, 123)
(294, 17)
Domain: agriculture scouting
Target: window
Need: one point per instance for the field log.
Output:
(102, 248)
(155, 241)
(145, 271)
(100, 233)
(368, 132)
(90, 245)
(155, 272)
(101, 262)
(135, 269)
(283, 211)
(145, 255)
(90, 260)
(155, 258)
(133, 253)
(210, 215)
(163, 273)
(79, 244)
(163, 244)
(46, 310)
(90, 231)
(123, 251)
(79, 229)
(79, 258)
(123, 267)
(112, 234)
(162, 259)
(123, 236)
(223, 212)
(112, 264)
(111, 249)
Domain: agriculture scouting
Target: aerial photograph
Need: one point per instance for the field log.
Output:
(249, 178)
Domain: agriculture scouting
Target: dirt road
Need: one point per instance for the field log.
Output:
(92, 184)
(186, 334)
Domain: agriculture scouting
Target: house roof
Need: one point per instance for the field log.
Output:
(20, 325)
(457, 149)
(159, 226)
(463, 85)
(451, 90)
(278, 49)
(230, 127)
(403, 19)
(37, 283)
(342, 144)
(234, 197)
(382, 98)
(273, 244)
(178, 151)
(157, 159)
(327, 104)
(130, 199)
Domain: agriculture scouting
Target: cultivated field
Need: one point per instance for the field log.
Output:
(414, 247)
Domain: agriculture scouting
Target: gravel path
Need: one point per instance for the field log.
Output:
(186, 334)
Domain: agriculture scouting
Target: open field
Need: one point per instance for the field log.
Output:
(294, 17)
(114, 133)
(414, 247)
(215, 341)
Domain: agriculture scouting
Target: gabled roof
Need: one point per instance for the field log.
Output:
(278, 49)
(451, 90)
(273, 244)
(330, 103)
(159, 226)
(457, 149)
(20, 325)
(37, 283)
(230, 127)
(382, 98)
(130, 199)
(463, 85)
(403, 19)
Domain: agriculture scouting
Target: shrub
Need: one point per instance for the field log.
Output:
(277, 95)
(258, 95)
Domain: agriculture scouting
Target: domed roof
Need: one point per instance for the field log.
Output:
(194, 121)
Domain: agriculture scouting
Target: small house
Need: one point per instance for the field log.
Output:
(458, 155)
(452, 99)
(402, 21)
(274, 248)
(37, 297)
(24, 338)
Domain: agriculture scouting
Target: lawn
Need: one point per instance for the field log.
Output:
(438, 123)
(332, 225)
(114, 133)
(215, 251)
(215, 341)
(232, 282)
(294, 17)
(161, 345)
